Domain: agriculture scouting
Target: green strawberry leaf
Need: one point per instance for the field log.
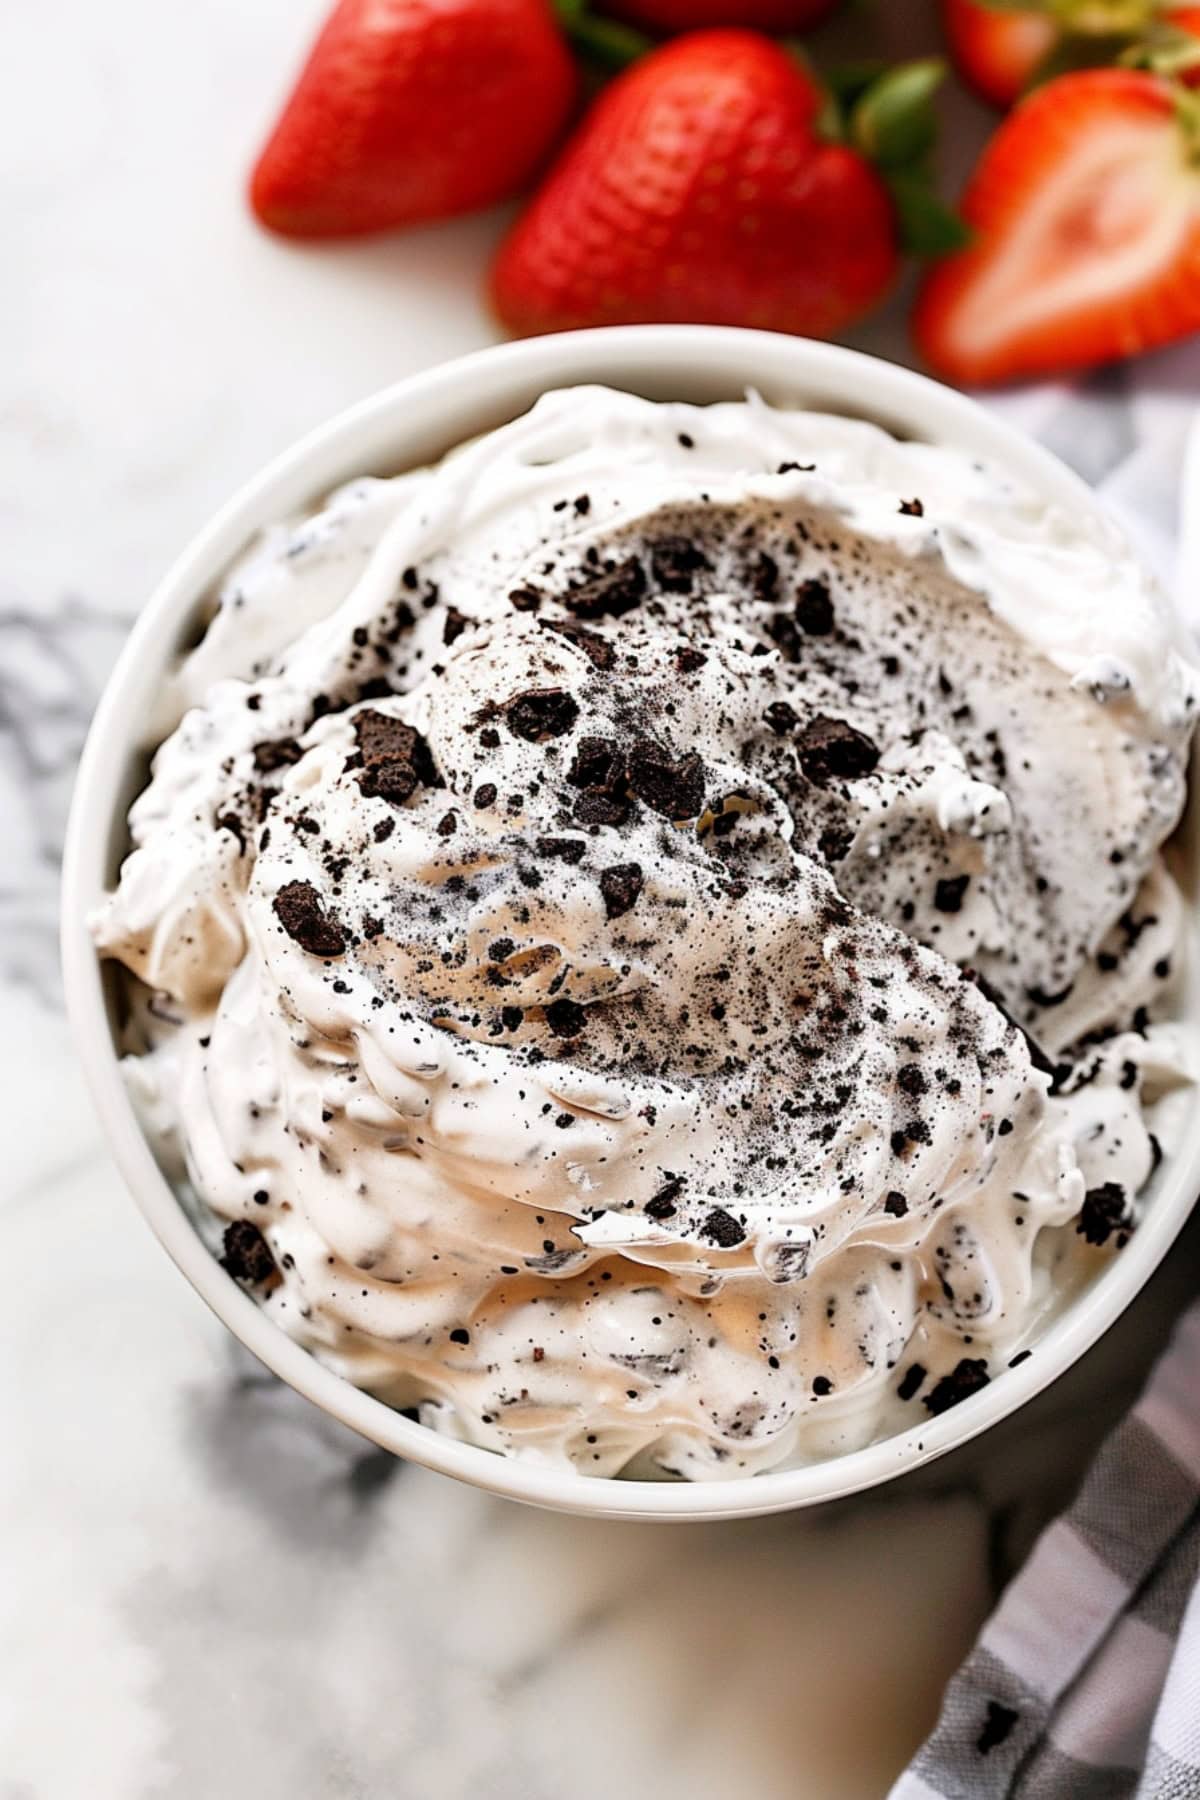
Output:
(893, 123)
(926, 225)
(606, 43)
(850, 80)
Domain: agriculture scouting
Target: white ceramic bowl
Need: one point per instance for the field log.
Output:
(413, 423)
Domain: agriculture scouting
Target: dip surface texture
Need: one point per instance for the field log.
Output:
(650, 935)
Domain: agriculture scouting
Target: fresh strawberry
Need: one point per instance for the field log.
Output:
(996, 52)
(698, 189)
(698, 15)
(999, 49)
(410, 110)
(1086, 210)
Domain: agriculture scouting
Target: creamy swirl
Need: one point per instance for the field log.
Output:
(651, 933)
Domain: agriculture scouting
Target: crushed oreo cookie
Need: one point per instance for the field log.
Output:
(454, 626)
(671, 786)
(781, 718)
(1105, 1209)
(568, 850)
(663, 1205)
(298, 908)
(968, 1376)
(541, 714)
(396, 760)
(813, 611)
(276, 753)
(721, 1228)
(620, 887)
(245, 1253)
(566, 1018)
(831, 750)
(675, 562)
(598, 650)
(911, 1382)
(610, 594)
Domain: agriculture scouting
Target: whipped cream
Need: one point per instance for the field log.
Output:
(651, 937)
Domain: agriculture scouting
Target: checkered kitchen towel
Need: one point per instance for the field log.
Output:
(1085, 1683)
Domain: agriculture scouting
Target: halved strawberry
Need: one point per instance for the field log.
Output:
(697, 15)
(1086, 209)
(409, 110)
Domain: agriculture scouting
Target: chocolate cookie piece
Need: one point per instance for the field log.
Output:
(830, 750)
(968, 1376)
(597, 808)
(781, 718)
(568, 850)
(598, 763)
(455, 624)
(1105, 1209)
(670, 786)
(675, 562)
(663, 1206)
(233, 825)
(620, 887)
(566, 1018)
(814, 608)
(610, 594)
(541, 714)
(599, 769)
(764, 577)
(246, 1254)
(721, 1228)
(910, 1382)
(599, 652)
(835, 843)
(276, 753)
(949, 892)
(396, 760)
(299, 910)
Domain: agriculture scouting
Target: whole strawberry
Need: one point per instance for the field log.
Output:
(698, 189)
(409, 110)
(1086, 213)
(696, 15)
(995, 50)
(1001, 50)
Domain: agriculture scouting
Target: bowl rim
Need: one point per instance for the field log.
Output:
(401, 426)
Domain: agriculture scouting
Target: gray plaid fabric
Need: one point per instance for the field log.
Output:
(1085, 1682)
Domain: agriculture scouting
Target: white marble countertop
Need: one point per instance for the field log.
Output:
(205, 1588)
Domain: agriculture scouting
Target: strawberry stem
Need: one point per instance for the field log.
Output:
(1164, 50)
